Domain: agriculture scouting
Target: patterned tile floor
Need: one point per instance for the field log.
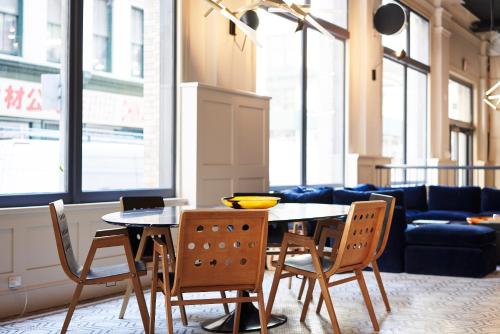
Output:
(420, 304)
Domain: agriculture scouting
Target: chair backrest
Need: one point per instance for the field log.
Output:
(360, 236)
(63, 240)
(275, 231)
(129, 203)
(221, 248)
(141, 202)
(386, 225)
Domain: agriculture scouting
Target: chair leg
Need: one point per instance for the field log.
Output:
(302, 286)
(182, 309)
(226, 308)
(262, 313)
(126, 298)
(237, 315)
(168, 311)
(141, 302)
(71, 308)
(272, 292)
(329, 305)
(320, 304)
(366, 297)
(309, 294)
(320, 300)
(380, 284)
(152, 307)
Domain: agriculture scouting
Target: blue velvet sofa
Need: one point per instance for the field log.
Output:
(451, 249)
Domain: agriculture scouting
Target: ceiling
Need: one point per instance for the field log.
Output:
(482, 9)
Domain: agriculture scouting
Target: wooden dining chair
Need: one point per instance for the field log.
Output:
(90, 275)
(218, 250)
(356, 248)
(382, 243)
(142, 243)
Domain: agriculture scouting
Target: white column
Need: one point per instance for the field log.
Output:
(364, 116)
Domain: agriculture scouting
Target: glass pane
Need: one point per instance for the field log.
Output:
(419, 38)
(395, 42)
(279, 75)
(54, 31)
(454, 145)
(416, 130)
(334, 11)
(459, 102)
(9, 34)
(9, 6)
(123, 128)
(462, 157)
(54, 11)
(137, 46)
(393, 111)
(32, 118)
(325, 109)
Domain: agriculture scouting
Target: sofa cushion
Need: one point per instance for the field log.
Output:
(450, 235)
(346, 197)
(415, 198)
(362, 187)
(490, 199)
(455, 198)
(308, 195)
(442, 215)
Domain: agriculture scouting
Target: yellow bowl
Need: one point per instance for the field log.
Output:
(250, 202)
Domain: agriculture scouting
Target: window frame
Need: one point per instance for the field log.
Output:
(340, 34)
(466, 128)
(409, 63)
(74, 91)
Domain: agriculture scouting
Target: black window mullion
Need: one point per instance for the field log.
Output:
(75, 89)
(304, 109)
(405, 121)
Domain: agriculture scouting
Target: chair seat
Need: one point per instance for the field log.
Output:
(113, 270)
(305, 263)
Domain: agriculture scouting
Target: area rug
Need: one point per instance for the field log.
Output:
(420, 304)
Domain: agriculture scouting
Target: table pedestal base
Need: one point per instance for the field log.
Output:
(249, 321)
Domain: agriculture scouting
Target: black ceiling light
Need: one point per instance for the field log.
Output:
(389, 19)
(250, 18)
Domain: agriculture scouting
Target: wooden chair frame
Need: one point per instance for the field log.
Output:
(391, 202)
(102, 239)
(162, 282)
(147, 233)
(345, 261)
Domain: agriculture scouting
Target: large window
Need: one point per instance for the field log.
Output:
(9, 27)
(118, 137)
(461, 126)
(303, 72)
(404, 106)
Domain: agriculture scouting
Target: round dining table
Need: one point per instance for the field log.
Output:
(285, 213)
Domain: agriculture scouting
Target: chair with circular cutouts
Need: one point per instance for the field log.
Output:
(357, 246)
(217, 250)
